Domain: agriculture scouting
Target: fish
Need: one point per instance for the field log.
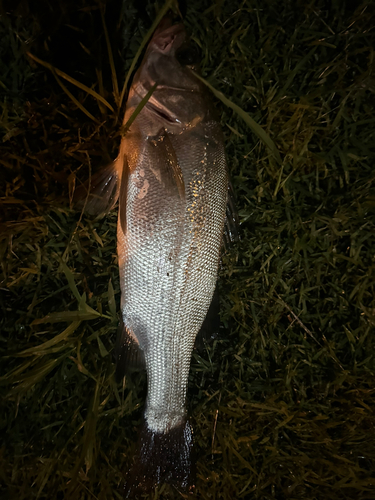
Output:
(171, 180)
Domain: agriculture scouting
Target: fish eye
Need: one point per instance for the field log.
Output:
(188, 55)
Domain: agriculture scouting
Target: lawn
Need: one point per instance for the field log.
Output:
(282, 402)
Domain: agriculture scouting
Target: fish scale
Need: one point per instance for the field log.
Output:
(165, 305)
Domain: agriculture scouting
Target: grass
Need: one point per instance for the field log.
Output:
(283, 402)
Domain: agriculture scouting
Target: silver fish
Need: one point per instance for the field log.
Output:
(173, 186)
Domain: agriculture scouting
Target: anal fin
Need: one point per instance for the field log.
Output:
(211, 325)
(127, 353)
(232, 224)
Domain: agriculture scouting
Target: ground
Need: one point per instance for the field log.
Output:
(282, 402)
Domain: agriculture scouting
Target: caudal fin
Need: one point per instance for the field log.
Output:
(162, 458)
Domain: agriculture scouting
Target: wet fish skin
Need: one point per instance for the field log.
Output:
(173, 198)
(171, 180)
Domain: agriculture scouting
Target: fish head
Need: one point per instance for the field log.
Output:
(179, 100)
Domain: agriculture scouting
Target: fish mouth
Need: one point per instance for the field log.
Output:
(168, 35)
(170, 24)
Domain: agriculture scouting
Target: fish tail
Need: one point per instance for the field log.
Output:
(162, 458)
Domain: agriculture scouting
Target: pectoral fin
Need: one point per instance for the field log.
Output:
(123, 194)
(172, 171)
(165, 166)
(99, 195)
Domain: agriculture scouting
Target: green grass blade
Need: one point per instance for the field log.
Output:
(256, 129)
(68, 316)
(69, 276)
(31, 378)
(137, 110)
(168, 5)
(41, 348)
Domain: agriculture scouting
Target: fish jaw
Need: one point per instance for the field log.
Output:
(179, 99)
(167, 38)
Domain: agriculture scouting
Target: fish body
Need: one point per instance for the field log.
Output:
(172, 208)
(172, 191)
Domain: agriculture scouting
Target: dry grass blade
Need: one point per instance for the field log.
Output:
(76, 102)
(111, 300)
(71, 80)
(111, 61)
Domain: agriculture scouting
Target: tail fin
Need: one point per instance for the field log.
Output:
(162, 458)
